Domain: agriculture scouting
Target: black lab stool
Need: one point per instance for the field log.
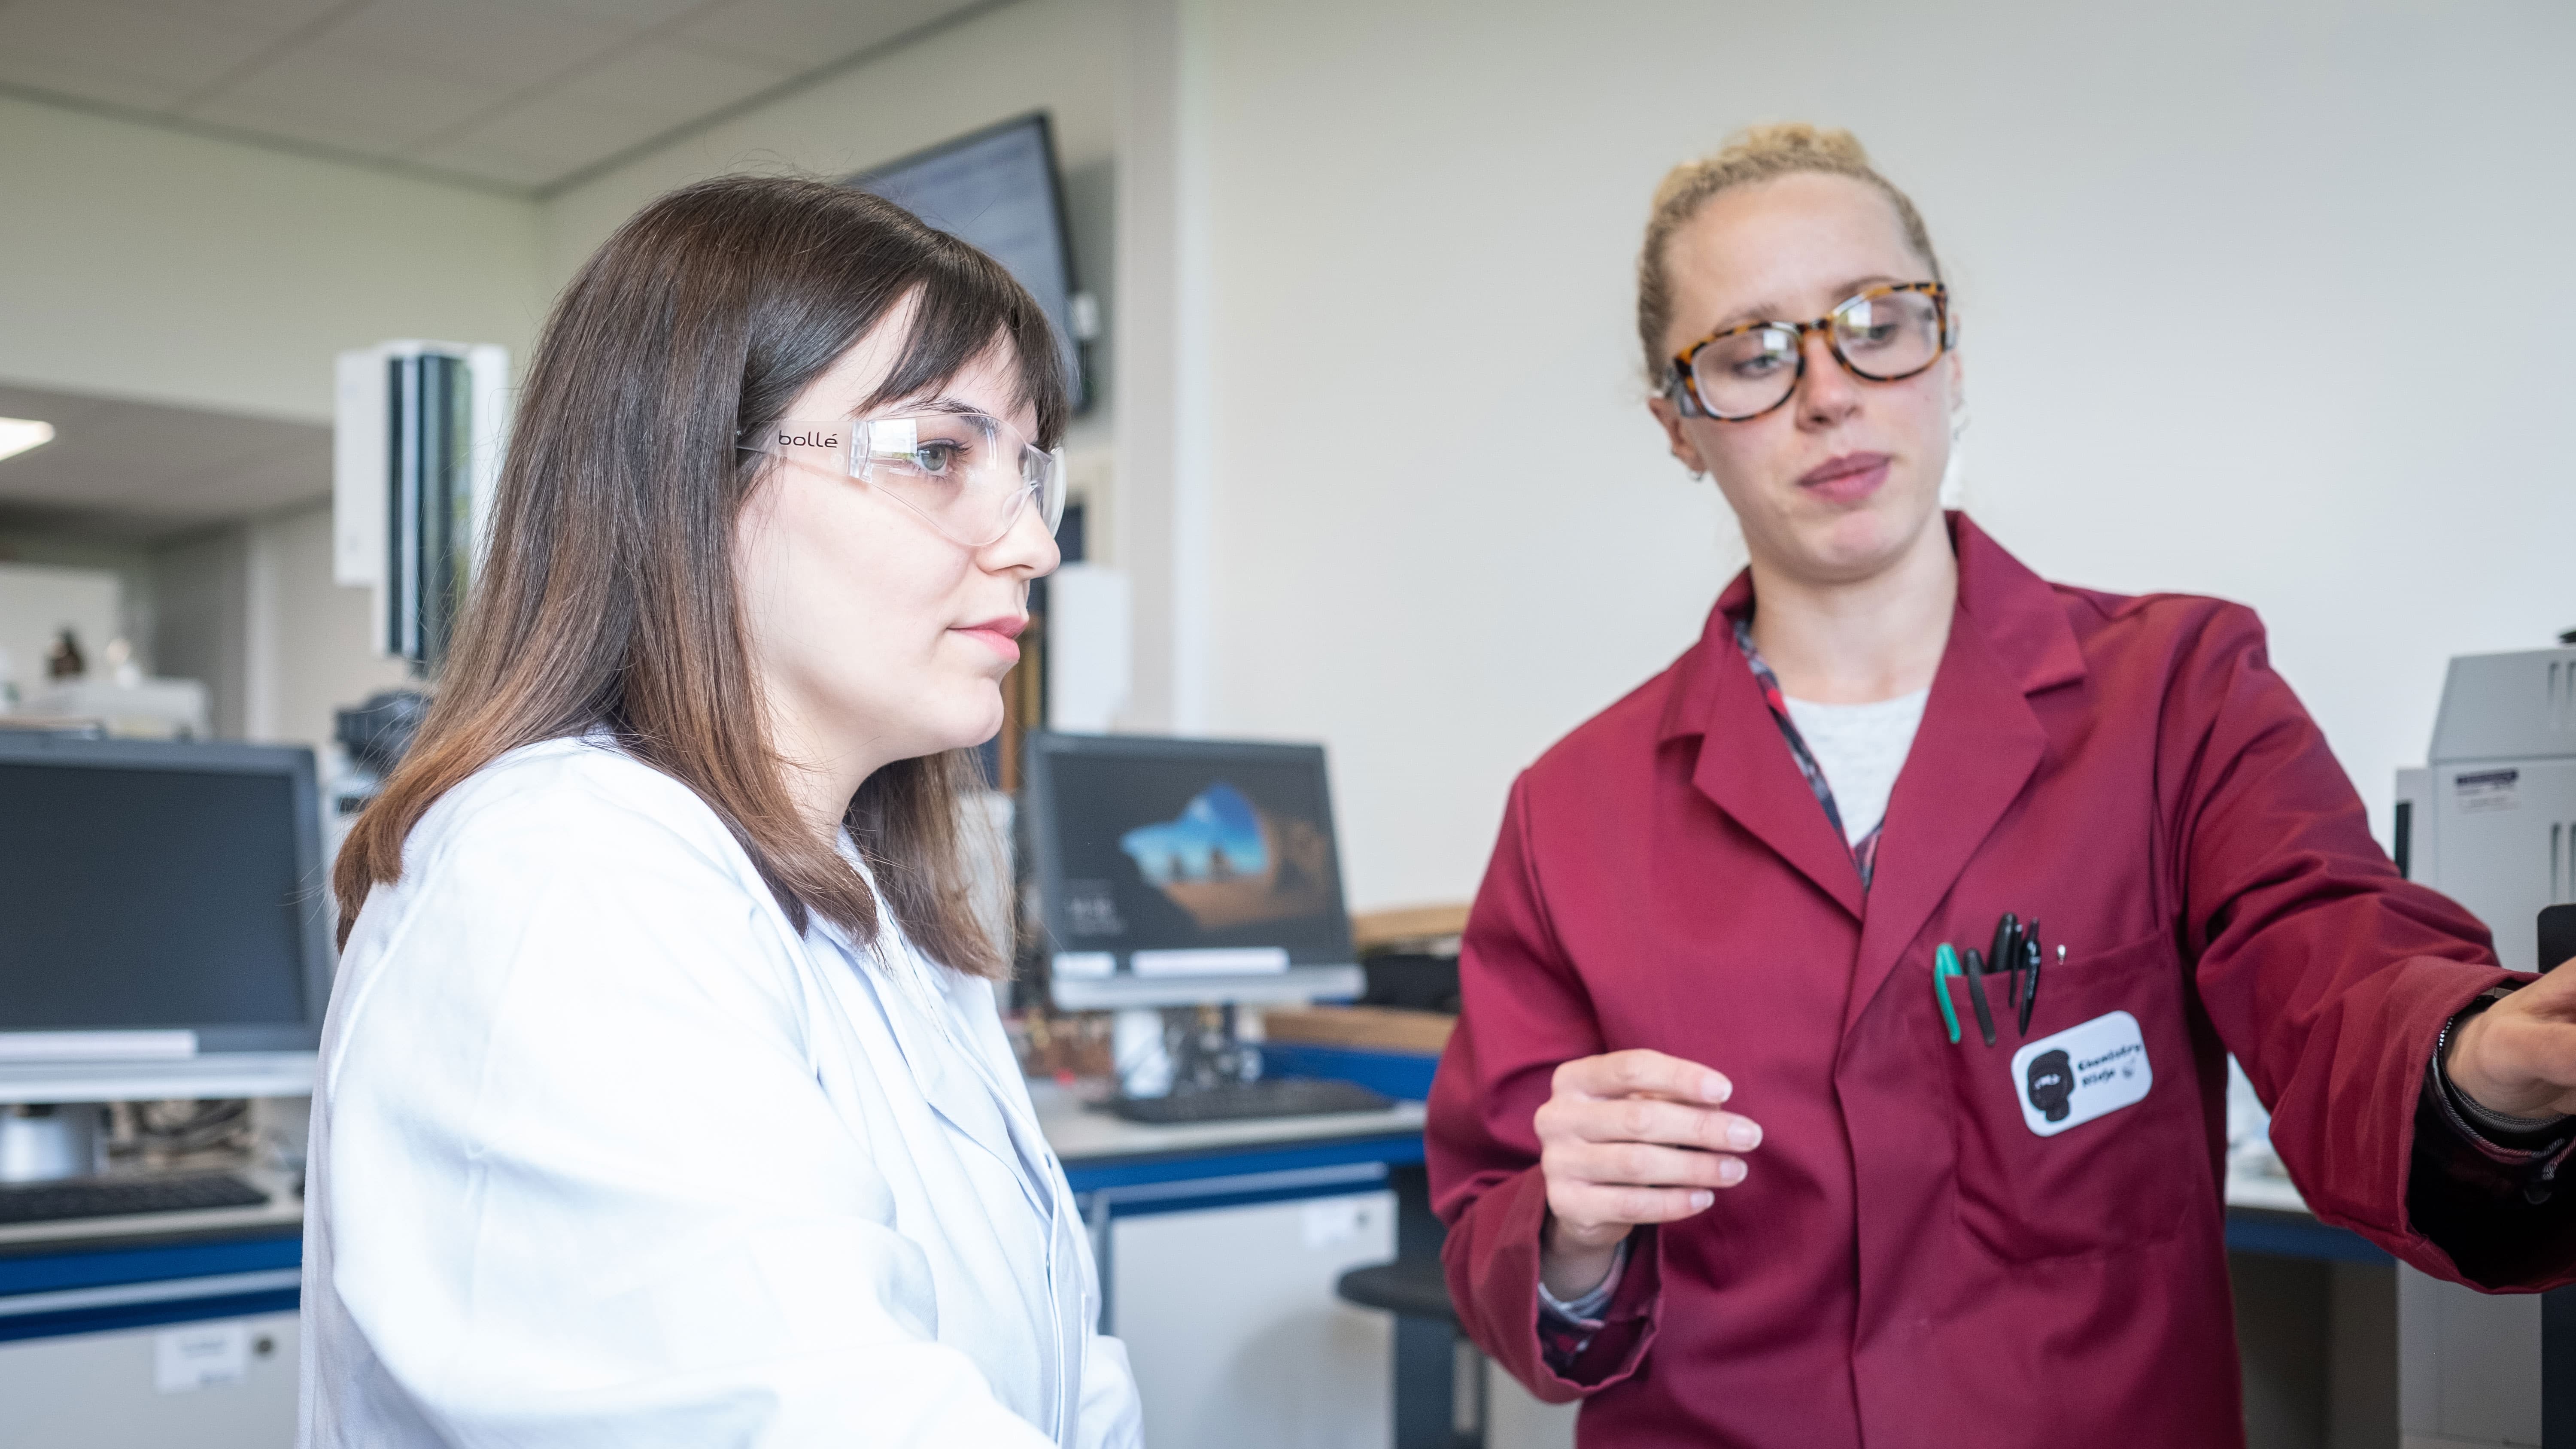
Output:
(1427, 1339)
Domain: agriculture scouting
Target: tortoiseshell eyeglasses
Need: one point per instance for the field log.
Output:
(1881, 334)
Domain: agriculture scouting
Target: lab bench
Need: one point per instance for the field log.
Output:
(1218, 1243)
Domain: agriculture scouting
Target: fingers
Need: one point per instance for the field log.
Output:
(1646, 1119)
(1638, 1164)
(1590, 1206)
(1625, 1073)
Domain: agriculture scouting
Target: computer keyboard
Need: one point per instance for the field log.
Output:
(1235, 1101)
(36, 1202)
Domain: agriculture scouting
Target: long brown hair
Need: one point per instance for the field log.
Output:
(607, 596)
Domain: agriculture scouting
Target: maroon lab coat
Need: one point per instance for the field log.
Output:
(1907, 1262)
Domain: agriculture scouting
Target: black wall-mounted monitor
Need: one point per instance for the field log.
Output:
(999, 189)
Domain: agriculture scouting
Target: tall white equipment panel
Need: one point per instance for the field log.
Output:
(2490, 822)
(417, 434)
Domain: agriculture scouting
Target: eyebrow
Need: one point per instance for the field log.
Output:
(940, 403)
(1770, 311)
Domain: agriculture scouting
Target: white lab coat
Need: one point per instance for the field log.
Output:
(605, 1153)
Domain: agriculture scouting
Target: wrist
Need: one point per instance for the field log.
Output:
(2466, 1061)
(1573, 1262)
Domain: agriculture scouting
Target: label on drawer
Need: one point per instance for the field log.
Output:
(200, 1354)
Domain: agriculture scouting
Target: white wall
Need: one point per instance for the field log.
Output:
(147, 264)
(38, 601)
(309, 651)
(251, 609)
(1444, 530)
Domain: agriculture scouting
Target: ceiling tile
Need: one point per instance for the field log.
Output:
(345, 101)
(640, 13)
(806, 35)
(569, 132)
(495, 163)
(670, 83)
(137, 469)
(504, 47)
(175, 50)
(79, 80)
(276, 19)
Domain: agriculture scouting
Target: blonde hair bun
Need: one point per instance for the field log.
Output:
(1756, 153)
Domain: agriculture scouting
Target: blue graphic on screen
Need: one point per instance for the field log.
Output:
(1216, 838)
(1230, 863)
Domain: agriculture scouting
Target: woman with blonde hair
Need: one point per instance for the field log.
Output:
(1845, 1011)
(663, 1100)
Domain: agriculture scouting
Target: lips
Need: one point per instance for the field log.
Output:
(1846, 479)
(999, 635)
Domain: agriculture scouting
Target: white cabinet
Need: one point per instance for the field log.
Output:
(1237, 1338)
(218, 1384)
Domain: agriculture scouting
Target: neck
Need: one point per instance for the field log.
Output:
(1855, 641)
(819, 771)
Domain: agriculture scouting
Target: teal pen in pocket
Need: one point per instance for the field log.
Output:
(1945, 964)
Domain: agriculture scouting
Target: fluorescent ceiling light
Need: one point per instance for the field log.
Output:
(17, 435)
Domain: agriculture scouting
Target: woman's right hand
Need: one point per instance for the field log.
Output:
(1630, 1137)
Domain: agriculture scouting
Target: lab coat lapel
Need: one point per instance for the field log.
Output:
(1744, 766)
(953, 1088)
(1977, 748)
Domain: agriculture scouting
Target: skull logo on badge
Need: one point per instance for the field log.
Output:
(2052, 1081)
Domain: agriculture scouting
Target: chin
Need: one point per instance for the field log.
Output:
(1863, 541)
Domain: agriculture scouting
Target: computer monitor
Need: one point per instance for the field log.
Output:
(999, 189)
(164, 930)
(1175, 872)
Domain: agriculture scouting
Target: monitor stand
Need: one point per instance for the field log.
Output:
(46, 1141)
(1162, 1052)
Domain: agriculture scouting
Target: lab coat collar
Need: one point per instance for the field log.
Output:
(1977, 746)
(955, 1088)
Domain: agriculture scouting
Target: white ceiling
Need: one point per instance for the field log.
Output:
(142, 471)
(525, 95)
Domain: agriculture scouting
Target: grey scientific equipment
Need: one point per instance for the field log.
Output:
(162, 934)
(1175, 873)
(418, 430)
(2490, 821)
(416, 439)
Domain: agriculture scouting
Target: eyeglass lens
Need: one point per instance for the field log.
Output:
(967, 474)
(1881, 337)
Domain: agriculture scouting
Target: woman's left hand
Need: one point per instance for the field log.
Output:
(2518, 1057)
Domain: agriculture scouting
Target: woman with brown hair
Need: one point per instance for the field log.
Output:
(663, 1098)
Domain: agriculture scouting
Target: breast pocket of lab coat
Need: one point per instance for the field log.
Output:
(2084, 1134)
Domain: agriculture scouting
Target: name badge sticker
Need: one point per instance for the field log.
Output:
(2082, 1073)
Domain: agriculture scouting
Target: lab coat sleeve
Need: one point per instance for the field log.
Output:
(1524, 1013)
(584, 1187)
(2327, 973)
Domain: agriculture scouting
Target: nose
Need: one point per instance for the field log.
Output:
(1026, 550)
(1828, 393)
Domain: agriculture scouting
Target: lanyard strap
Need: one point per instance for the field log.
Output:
(1864, 851)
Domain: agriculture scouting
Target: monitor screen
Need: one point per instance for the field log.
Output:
(1185, 858)
(998, 190)
(138, 893)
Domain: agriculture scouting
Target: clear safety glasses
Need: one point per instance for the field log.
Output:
(1883, 334)
(967, 474)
